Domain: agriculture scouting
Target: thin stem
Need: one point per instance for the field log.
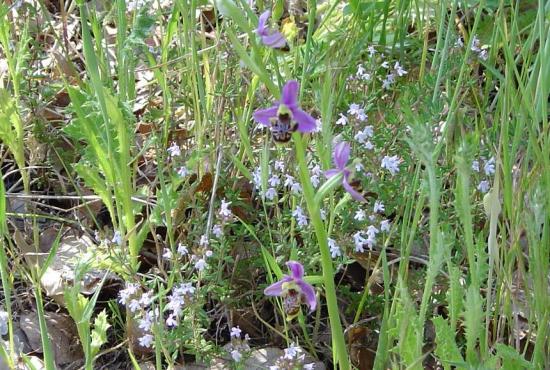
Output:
(339, 345)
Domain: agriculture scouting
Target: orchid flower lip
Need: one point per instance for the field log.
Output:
(294, 283)
(276, 115)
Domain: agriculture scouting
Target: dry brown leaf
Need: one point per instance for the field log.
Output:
(61, 331)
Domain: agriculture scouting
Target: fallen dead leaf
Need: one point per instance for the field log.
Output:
(61, 332)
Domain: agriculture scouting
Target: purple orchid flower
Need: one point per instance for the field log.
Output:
(286, 116)
(294, 290)
(271, 38)
(340, 157)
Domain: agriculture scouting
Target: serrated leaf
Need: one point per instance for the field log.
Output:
(99, 333)
(473, 322)
(446, 349)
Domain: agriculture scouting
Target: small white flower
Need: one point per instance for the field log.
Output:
(117, 238)
(334, 248)
(183, 171)
(4, 318)
(391, 164)
(360, 71)
(146, 299)
(274, 181)
(236, 355)
(174, 150)
(279, 166)
(145, 324)
(217, 230)
(208, 253)
(372, 231)
(204, 241)
(459, 42)
(292, 352)
(257, 178)
(354, 109)
(361, 116)
(146, 341)
(185, 289)
(342, 120)
(489, 167)
(289, 181)
(359, 167)
(296, 188)
(368, 145)
(201, 264)
(385, 225)
(171, 321)
(323, 214)
(225, 212)
(399, 69)
(182, 250)
(167, 254)
(125, 294)
(271, 193)
(371, 51)
(134, 305)
(310, 366)
(359, 241)
(315, 180)
(475, 44)
(475, 166)
(318, 126)
(385, 64)
(484, 186)
(235, 332)
(388, 81)
(360, 215)
(379, 207)
(364, 135)
(316, 170)
(300, 217)
(483, 54)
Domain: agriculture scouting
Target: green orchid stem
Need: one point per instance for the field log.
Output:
(340, 352)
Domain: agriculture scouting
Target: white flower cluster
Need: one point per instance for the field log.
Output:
(335, 250)
(391, 163)
(238, 345)
(293, 358)
(488, 169)
(174, 152)
(363, 137)
(176, 302)
(274, 180)
(368, 237)
(299, 215)
(181, 250)
(478, 49)
(354, 111)
(398, 71)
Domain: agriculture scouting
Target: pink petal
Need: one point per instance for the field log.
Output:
(306, 123)
(340, 156)
(276, 289)
(332, 172)
(274, 39)
(296, 269)
(264, 116)
(309, 294)
(354, 194)
(290, 94)
(262, 29)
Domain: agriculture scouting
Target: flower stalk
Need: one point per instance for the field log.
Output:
(340, 355)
